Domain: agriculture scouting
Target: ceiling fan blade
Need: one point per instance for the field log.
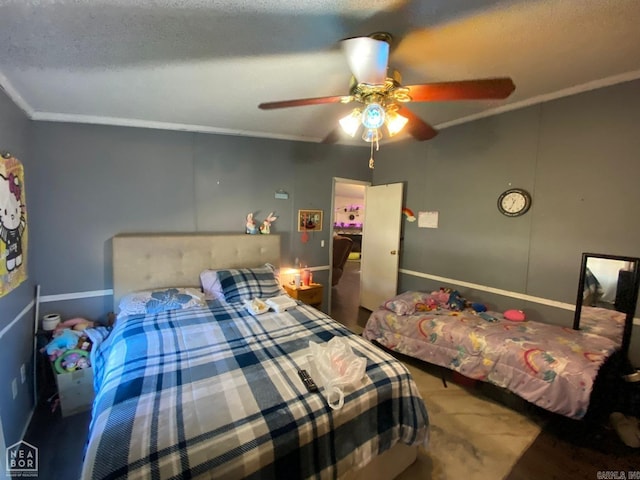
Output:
(299, 102)
(368, 59)
(333, 136)
(489, 88)
(416, 127)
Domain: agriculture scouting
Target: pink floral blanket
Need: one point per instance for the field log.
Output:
(550, 366)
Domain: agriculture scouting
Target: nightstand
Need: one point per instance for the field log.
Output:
(311, 295)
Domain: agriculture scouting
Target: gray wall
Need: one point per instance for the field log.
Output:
(579, 158)
(93, 182)
(16, 342)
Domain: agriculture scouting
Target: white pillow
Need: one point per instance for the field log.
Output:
(211, 285)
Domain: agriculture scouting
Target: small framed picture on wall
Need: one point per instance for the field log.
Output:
(310, 220)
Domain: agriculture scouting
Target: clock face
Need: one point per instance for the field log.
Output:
(514, 202)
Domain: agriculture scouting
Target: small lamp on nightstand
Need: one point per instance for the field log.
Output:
(290, 276)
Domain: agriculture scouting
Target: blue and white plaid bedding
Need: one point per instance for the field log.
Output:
(213, 392)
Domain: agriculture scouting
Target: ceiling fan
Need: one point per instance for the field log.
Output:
(382, 96)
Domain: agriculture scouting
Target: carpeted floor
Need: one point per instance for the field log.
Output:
(479, 431)
(567, 449)
(471, 437)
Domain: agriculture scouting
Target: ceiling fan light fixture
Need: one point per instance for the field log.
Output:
(368, 59)
(373, 116)
(351, 123)
(395, 122)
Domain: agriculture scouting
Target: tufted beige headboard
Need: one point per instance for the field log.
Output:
(144, 261)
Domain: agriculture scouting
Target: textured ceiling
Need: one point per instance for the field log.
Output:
(206, 65)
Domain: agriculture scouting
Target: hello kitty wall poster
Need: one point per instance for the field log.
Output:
(13, 225)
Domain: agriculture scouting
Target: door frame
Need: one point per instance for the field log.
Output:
(333, 219)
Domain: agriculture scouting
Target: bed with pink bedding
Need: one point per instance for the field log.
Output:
(550, 366)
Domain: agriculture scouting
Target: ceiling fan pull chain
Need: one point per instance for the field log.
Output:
(371, 164)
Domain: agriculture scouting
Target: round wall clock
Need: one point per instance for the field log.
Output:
(514, 202)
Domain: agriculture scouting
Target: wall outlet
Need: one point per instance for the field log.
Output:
(23, 373)
(322, 243)
(14, 387)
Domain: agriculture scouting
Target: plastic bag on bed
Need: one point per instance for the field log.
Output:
(335, 368)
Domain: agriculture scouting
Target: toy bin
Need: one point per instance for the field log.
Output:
(75, 390)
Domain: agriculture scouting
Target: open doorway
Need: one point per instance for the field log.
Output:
(348, 208)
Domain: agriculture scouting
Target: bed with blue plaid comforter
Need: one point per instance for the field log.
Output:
(213, 392)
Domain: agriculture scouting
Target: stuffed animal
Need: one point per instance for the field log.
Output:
(65, 340)
(427, 306)
(78, 324)
(441, 297)
(265, 228)
(251, 229)
(456, 302)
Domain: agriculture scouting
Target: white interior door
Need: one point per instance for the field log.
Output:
(380, 244)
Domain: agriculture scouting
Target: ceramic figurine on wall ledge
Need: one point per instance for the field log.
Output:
(251, 229)
(265, 228)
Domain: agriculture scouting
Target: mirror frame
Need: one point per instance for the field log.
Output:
(628, 325)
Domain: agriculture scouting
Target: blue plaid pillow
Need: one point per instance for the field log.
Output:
(247, 283)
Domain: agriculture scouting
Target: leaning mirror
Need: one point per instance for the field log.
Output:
(607, 296)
